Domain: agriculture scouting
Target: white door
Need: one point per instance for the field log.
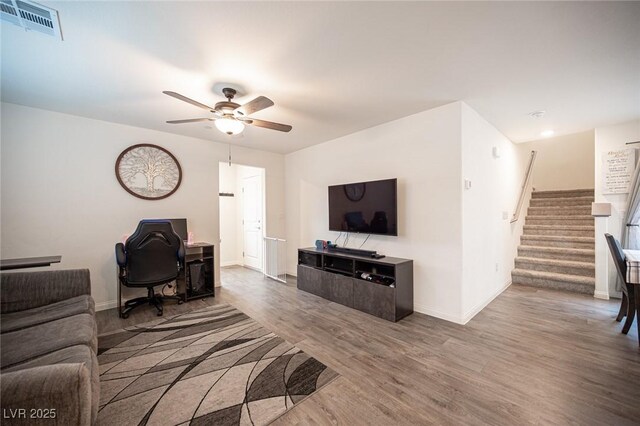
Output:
(252, 221)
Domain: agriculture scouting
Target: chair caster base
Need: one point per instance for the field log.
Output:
(124, 316)
(180, 302)
(159, 314)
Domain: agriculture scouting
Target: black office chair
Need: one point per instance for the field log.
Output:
(628, 306)
(152, 256)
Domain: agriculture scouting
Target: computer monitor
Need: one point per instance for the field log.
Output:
(180, 226)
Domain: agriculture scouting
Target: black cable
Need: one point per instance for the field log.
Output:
(336, 240)
(365, 240)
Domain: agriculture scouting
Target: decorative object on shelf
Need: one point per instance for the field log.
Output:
(322, 244)
(148, 171)
(355, 191)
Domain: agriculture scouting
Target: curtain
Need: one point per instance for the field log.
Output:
(631, 224)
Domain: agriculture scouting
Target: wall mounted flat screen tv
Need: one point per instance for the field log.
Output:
(365, 207)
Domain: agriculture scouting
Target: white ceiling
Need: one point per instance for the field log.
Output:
(333, 68)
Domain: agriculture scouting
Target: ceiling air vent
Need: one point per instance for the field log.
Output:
(31, 16)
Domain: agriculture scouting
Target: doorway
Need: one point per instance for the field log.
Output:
(242, 215)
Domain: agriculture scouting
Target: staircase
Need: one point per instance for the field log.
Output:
(557, 246)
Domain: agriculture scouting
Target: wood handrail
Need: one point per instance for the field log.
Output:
(523, 189)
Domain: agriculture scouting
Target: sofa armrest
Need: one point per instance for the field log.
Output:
(27, 290)
(57, 394)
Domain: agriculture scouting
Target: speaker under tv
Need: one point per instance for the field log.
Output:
(364, 207)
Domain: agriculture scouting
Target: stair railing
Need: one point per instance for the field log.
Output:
(523, 189)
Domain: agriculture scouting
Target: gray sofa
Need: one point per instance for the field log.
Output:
(48, 348)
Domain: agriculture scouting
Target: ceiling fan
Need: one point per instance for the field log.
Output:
(230, 117)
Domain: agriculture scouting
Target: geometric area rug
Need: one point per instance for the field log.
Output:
(213, 366)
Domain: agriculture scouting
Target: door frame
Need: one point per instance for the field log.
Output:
(239, 229)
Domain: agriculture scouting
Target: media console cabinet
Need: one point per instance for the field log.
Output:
(338, 277)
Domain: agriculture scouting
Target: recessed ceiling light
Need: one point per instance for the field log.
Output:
(537, 114)
(547, 133)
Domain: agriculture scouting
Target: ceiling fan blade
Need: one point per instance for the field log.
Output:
(188, 100)
(255, 105)
(189, 120)
(268, 124)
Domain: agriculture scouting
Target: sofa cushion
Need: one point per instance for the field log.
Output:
(30, 317)
(29, 343)
(79, 354)
(27, 290)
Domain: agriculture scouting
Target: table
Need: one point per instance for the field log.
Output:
(632, 258)
(28, 262)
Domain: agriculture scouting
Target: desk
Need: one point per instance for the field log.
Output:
(28, 262)
(633, 278)
(197, 254)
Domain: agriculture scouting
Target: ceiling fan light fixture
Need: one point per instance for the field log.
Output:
(229, 126)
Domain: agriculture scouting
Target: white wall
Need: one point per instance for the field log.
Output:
(563, 162)
(456, 237)
(423, 152)
(489, 239)
(608, 139)
(60, 194)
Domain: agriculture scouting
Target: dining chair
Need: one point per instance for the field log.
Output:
(627, 307)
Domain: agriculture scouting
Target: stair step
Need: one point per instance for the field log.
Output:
(560, 253)
(558, 241)
(552, 280)
(560, 211)
(563, 193)
(567, 230)
(558, 202)
(570, 267)
(582, 220)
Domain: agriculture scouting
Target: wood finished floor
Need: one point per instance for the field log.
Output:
(531, 356)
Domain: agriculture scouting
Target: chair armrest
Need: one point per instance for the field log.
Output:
(27, 290)
(181, 253)
(60, 392)
(121, 257)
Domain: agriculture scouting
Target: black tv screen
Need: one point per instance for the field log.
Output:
(365, 207)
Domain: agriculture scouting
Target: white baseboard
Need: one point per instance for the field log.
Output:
(466, 317)
(230, 263)
(480, 306)
(601, 295)
(103, 306)
(434, 313)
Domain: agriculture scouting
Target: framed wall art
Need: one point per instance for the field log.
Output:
(148, 171)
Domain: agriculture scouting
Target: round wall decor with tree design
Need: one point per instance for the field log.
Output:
(148, 171)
